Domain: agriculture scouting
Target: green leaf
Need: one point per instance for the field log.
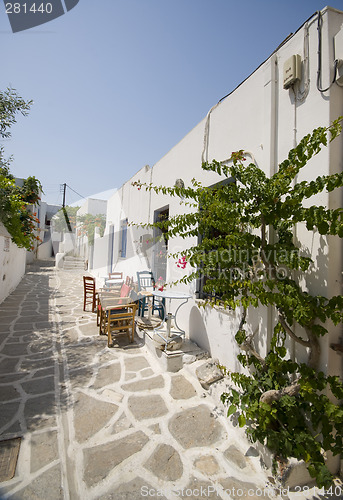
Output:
(231, 410)
(241, 421)
(240, 336)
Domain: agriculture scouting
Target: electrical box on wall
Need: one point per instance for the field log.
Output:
(338, 42)
(291, 71)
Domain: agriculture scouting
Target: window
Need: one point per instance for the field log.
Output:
(211, 233)
(7, 244)
(123, 238)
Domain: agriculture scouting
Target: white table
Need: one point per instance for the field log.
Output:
(171, 331)
(111, 282)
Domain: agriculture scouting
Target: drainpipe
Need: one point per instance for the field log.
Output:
(295, 143)
(273, 156)
(91, 255)
(149, 211)
(110, 246)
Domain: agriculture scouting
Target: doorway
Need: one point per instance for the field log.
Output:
(160, 247)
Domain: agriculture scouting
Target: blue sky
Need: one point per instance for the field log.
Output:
(117, 83)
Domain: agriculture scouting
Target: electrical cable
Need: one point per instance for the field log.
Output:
(300, 95)
(78, 194)
(207, 122)
(319, 71)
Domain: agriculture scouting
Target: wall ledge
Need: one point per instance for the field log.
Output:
(201, 303)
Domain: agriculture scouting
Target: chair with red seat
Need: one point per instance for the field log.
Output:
(117, 313)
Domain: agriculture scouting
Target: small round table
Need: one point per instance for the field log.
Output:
(176, 331)
(113, 283)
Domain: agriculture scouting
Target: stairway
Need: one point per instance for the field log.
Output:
(73, 263)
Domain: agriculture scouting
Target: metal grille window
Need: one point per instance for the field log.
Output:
(213, 233)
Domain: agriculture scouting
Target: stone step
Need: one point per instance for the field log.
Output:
(73, 263)
(66, 266)
(173, 361)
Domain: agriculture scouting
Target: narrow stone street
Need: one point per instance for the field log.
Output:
(99, 423)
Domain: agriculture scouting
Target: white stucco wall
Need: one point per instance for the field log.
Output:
(68, 243)
(264, 119)
(12, 264)
(44, 250)
(93, 206)
(98, 255)
(134, 205)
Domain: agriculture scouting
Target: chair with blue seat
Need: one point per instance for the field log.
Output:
(147, 283)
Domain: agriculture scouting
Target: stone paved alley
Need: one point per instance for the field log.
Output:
(99, 423)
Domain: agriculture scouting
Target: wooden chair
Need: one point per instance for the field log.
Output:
(89, 292)
(117, 281)
(106, 299)
(115, 276)
(146, 282)
(120, 320)
(103, 294)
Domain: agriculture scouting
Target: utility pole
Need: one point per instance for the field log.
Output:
(64, 209)
(64, 194)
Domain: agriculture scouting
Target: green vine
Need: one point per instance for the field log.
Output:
(302, 423)
(247, 257)
(15, 202)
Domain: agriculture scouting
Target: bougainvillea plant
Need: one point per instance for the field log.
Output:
(247, 257)
(16, 202)
(89, 222)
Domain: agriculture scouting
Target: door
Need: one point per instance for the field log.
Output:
(160, 247)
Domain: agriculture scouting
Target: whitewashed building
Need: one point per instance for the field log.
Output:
(92, 206)
(265, 117)
(12, 263)
(13, 260)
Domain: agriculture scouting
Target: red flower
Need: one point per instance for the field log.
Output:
(182, 262)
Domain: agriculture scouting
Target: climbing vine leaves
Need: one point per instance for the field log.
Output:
(245, 255)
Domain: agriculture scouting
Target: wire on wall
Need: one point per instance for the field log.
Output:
(300, 95)
(319, 71)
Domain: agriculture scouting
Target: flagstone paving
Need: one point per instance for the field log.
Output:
(100, 423)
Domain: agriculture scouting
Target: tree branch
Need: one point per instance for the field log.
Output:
(314, 355)
(269, 396)
(248, 347)
(305, 343)
(312, 343)
(244, 315)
